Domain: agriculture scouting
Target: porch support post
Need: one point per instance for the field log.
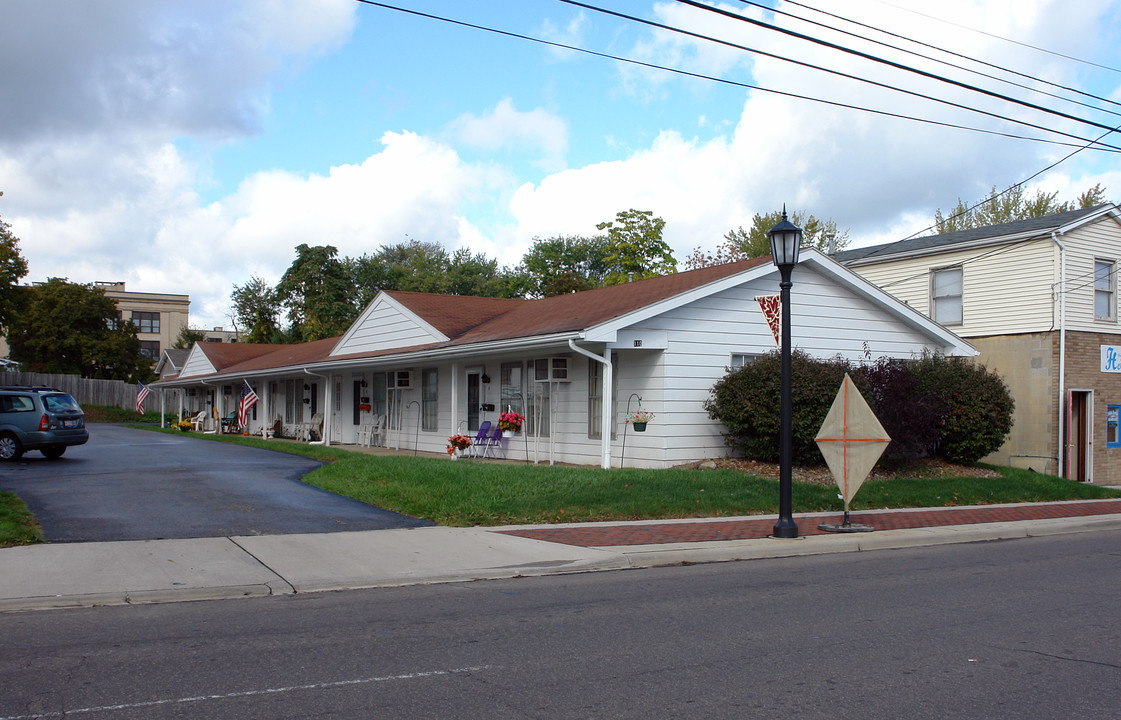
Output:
(454, 407)
(605, 421)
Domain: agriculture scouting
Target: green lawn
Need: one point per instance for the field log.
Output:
(484, 493)
(468, 493)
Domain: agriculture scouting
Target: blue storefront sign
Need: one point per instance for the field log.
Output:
(1111, 358)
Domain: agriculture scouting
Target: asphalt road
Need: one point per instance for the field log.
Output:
(1015, 629)
(127, 484)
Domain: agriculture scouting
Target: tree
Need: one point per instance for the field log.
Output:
(187, 337)
(427, 267)
(560, 265)
(316, 291)
(1012, 205)
(69, 328)
(740, 244)
(13, 267)
(635, 247)
(256, 308)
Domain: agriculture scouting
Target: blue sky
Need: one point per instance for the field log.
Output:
(185, 146)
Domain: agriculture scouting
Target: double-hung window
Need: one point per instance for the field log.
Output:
(146, 322)
(1105, 290)
(946, 295)
(429, 398)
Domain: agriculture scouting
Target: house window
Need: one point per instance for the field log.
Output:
(150, 349)
(115, 322)
(595, 395)
(146, 322)
(510, 387)
(946, 295)
(1112, 435)
(1105, 307)
(429, 398)
(741, 359)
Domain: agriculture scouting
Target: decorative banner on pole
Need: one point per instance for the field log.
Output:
(852, 440)
(772, 310)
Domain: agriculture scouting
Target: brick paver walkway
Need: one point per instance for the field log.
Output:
(608, 535)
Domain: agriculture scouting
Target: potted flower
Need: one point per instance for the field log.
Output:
(183, 425)
(510, 421)
(639, 418)
(457, 444)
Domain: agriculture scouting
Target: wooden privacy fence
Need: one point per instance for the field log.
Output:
(85, 390)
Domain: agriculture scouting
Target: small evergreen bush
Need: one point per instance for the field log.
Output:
(930, 406)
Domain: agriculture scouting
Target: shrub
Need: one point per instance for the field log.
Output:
(747, 401)
(933, 405)
(976, 406)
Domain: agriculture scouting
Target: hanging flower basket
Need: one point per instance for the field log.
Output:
(510, 422)
(639, 418)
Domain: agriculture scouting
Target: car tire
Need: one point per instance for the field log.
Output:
(53, 453)
(10, 449)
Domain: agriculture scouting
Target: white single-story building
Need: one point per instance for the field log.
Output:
(421, 367)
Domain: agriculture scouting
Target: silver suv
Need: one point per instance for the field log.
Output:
(39, 418)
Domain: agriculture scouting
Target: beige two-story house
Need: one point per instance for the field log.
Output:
(1038, 299)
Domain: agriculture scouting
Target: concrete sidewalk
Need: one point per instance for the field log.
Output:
(87, 574)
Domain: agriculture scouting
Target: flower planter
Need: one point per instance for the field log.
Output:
(639, 426)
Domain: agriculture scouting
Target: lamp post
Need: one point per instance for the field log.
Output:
(786, 238)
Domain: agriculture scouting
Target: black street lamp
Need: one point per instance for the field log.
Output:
(786, 239)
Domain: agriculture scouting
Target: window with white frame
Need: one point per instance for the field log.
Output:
(946, 295)
(595, 395)
(429, 398)
(1105, 286)
(741, 359)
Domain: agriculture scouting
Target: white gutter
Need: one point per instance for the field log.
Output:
(1062, 352)
(326, 441)
(605, 422)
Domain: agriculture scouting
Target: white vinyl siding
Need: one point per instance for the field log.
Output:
(385, 326)
(946, 295)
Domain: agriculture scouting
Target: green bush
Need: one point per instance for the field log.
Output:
(931, 406)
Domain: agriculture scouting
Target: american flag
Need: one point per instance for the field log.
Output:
(141, 394)
(248, 400)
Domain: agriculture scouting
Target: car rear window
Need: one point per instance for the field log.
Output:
(60, 403)
(16, 403)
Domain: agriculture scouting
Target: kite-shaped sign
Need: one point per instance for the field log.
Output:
(851, 439)
(771, 305)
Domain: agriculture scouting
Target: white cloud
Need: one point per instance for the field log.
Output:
(508, 129)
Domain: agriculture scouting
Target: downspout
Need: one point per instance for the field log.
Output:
(605, 422)
(326, 441)
(1062, 352)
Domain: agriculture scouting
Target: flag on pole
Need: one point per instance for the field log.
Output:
(141, 394)
(248, 400)
(771, 306)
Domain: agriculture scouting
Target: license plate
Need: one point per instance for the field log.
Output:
(71, 423)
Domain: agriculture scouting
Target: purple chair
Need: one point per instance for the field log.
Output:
(481, 441)
(493, 442)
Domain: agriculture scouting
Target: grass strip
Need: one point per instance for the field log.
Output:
(466, 493)
(17, 524)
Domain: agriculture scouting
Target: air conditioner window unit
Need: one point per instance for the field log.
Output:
(555, 369)
(401, 379)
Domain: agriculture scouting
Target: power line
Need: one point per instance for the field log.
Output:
(1101, 147)
(879, 60)
(942, 62)
(1004, 39)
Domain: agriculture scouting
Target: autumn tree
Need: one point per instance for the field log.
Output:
(634, 247)
(1011, 205)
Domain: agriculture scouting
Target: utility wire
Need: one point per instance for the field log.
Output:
(882, 61)
(942, 62)
(998, 37)
(950, 52)
(699, 36)
(1101, 147)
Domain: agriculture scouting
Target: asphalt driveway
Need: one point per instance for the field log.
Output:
(127, 484)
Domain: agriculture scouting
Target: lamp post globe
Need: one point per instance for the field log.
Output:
(786, 239)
